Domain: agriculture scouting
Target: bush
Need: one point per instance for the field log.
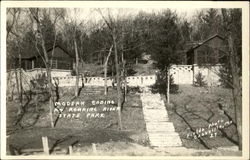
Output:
(131, 72)
(134, 89)
(225, 77)
(73, 73)
(200, 80)
(161, 85)
(40, 82)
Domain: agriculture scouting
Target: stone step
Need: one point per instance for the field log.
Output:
(89, 88)
(169, 141)
(156, 120)
(153, 119)
(155, 112)
(145, 95)
(147, 119)
(160, 126)
(152, 109)
(91, 91)
(152, 101)
(161, 123)
(176, 140)
(156, 108)
(151, 105)
(162, 134)
(158, 114)
(160, 120)
(165, 140)
(166, 144)
(164, 137)
(157, 129)
(153, 116)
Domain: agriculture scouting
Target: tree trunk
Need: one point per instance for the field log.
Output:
(48, 70)
(21, 86)
(76, 69)
(105, 71)
(18, 91)
(125, 85)
(168, 83)
(123, 69)
(117, 80)
(237, 96)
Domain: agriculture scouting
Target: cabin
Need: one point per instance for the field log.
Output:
(210, 51)
(60, 59)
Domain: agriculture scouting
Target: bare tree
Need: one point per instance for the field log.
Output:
(74, 30)
(37, 16)
(110, 22)
(232, 24)
(13, 28)
(105, 70)
(76, 56)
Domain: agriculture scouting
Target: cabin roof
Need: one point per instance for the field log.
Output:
(207, 40)
(31, 55)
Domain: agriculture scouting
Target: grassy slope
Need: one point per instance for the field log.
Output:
(203, 104)
(97, 70)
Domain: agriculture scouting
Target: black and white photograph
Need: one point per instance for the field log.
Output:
(134, 79)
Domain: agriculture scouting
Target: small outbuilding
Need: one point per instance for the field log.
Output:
(60, 59)
(210, 51)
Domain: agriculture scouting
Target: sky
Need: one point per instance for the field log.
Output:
(93, 15)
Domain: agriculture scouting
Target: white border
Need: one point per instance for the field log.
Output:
(131, 4)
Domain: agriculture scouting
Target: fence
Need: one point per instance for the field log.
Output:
(63, 78)
(185, 74)
(182, 74)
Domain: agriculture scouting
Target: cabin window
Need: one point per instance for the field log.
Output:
(54, 63)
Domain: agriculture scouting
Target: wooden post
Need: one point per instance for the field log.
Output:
(45, 145)
(70, 150)
(94, 148)
(32, 64)
(168, 74)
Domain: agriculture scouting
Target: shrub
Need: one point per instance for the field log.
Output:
(131, 72)
(134, 89)
(225, 77)
(200, 80)
(73, 73)
(160, 85)
(40, 82)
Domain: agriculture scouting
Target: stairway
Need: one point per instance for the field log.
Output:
(92, 90)
(161, 131)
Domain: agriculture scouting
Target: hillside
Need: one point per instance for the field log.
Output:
(95, 70)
